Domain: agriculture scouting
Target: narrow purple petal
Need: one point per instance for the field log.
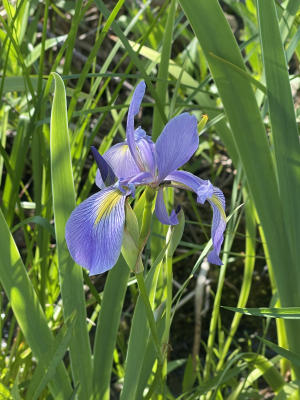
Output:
(94, 230)
(203, 188)
(133, 110)
(176, 144)
(161, 211)
(217, 202)
(107, 176)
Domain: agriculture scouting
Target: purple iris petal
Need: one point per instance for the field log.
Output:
(203, 188)
(133, 110)
(217, 202)
(161, 211)
(176, 144)
(146, 151)
(106, 174)
(143, 178)
(94, 230)
(121, 162)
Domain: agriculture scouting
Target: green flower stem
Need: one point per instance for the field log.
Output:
(147, 217)
(152, 324)
(169, 272)
(144, 234)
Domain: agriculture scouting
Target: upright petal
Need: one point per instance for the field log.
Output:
(217, 202)
(123, 165)
(107, 176)
(145, 152)
(133, 110)
(121, 162)
(176, 144)
(94, 230)
(203, 188)
(161, 211)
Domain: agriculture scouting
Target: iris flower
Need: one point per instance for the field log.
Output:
(94, 231)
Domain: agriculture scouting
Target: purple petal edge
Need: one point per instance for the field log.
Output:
(161, 211)
(218, 226)
(133, 110)
(96, 244)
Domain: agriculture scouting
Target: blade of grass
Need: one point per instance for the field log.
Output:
(110, 18)
(163, 71)
(27, 309)
(44, 373)
(294, 358)
(71, 280)
(215, 36)
(283, 121)
(107, 328)
(134, 57)
(271, 312)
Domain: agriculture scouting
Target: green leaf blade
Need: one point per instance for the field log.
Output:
(71, 280)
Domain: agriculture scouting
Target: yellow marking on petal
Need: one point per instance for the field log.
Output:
(124, 148)
(218, 203)
(107, 204)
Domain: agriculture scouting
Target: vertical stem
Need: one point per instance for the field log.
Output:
(147, 217)
(150, 316)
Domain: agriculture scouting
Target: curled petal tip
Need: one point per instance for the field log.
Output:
(213, 258)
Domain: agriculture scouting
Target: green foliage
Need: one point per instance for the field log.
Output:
(67, 73)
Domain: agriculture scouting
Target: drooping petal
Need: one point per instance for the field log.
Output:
(106, 174)
(176, 144)
(94, 230)
(161, 211)
(217, 202)
(133, 110)
(203, 188)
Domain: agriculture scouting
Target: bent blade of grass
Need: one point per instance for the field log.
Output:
(27, 310)
(162, 76)
(93, 53)
(269, 372)
(215, 36)
(71, 280)
(271, 312)
(133, 55)
(36, 51)
(294, 358)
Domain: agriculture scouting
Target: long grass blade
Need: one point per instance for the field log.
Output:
(107, 328)
(27, 309)
(283, 121)
(71, 280)
(215, 36)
